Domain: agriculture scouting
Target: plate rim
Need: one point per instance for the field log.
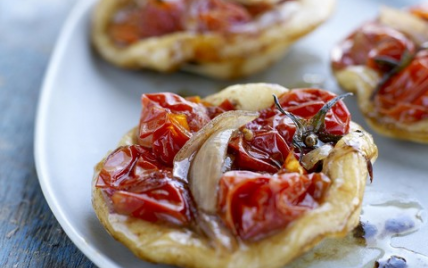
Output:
(42, 168)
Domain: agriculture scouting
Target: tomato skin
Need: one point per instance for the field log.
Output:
(264, 153)
(404, 97)
(255, 205)
(273, 131)
(225, 106)
(369, 42)
(124, 167)
(160, 200)
(161, 17)
(140, 186)
(215, 15)
(167, 122)
(153, 18)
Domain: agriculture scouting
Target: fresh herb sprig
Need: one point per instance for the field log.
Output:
(311, 133)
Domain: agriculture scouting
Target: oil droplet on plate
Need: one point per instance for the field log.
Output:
(383, 217)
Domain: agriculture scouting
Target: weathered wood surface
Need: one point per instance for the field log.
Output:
(30, 236)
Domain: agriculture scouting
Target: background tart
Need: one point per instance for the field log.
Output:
(225, 54)
(386, 63)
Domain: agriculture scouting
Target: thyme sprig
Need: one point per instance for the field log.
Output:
(311, 133)
(395, 66)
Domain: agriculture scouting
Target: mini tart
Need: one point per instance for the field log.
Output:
(214, 54)
(346, 165)
(363, 80)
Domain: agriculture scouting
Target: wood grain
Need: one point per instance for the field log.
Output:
(30, 236)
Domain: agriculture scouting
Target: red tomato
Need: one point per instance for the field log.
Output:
(255, 205)
(125, 166)
(404, 97)
(272, 132)
(161, 17)
(225, 106)
(142, 187)
(215, 15)
(167, 122)
(265, 152)
(159, 200)
(154, 18)
(368, 43)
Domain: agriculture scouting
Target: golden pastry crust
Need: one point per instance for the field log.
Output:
(346, 165)
(213, 54)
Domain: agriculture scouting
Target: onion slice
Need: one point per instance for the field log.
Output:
(206, 170)
(224, 121)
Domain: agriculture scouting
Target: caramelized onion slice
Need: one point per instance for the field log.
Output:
(227, 120)
(406, 22)
(206, 170)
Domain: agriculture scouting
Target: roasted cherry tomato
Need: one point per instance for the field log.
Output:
(215, 15)
(255, 205)
(225, 106)
(140, 186)
(153, 18)
(404, 97)
(126, 166)
(373, 45)
(263, 145)
(167, 122)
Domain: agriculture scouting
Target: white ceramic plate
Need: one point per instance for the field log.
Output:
(86, 105)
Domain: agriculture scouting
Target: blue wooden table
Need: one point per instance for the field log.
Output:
(30, 236)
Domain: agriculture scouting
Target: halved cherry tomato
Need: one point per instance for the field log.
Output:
(404, 97)
(255, 205)
(370, 45)
(225, 106)
(125, 167)
(215, 15)
(160, 199)
(153, 18)
(271, 134)
(140, 186)
(167, 122)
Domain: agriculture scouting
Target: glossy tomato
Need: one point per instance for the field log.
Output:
(263, 145)
(255, 205)
(372, 45)
(153, 18)
(167, 122)
(140, 186)
(404, 97)
(215, 15)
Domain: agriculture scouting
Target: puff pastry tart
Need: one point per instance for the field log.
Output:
(234, 180)
(218, 38)
(386, 62)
